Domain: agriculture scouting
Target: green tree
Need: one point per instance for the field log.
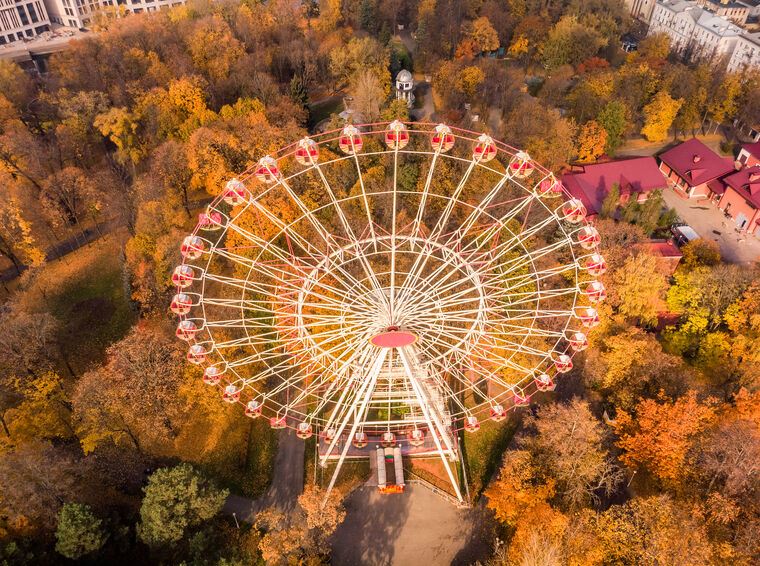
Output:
(79, 531)
(177, 499)
(610, 202)
(570, 42)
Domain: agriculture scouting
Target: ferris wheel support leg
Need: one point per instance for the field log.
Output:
(358, 417)
(342, 410)
(434, 425)
(365, 389)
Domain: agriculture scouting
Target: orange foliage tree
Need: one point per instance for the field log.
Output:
(661, 434)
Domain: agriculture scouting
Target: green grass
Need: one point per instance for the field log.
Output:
(243, 461)
(86, 292)
(352, 474)
(323, 110)
(483, 451)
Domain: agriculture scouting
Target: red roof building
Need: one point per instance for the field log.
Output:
(741, 198)
(592, 183)
(692, 166)
(665, 251)
(749, 154)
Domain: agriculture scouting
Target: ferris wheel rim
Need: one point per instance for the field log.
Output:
(461, 135)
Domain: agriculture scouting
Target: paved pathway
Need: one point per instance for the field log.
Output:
(710, 223)
(287, 483)
(416, 528)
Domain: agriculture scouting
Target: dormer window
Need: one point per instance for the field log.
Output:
(696, 158)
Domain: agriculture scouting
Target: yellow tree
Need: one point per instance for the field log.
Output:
(483, 35)
(659, 115)
(662, 433)
(592, 140)
(469, 79)
(638, 289)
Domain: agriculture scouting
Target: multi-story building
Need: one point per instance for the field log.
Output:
(746, 52)
(693, 30)
(734, 11)
(22, 19)
(641, 9)
(80, 13)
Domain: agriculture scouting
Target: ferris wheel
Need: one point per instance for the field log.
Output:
(388, 284)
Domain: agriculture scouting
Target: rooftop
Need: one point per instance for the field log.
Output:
(752, 148)
(717, 24)
(593, 182)
(747, 183)
(695, 162)
(665, 249)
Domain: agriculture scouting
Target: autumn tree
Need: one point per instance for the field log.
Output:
(570, 444)
(483, 35)
(659, 115)
(592, 141)
(653, 530)
(638, 289)
(662, 434)
(519, 486)
(571, 41)
(723, 103)
(133, 397)
(655, 46)
(18, 241)
(631, 365)
(177, 499)
(69, 194)
(701, 252)
(36, 479)
(79, 532)
(301, 536)
(368, 95)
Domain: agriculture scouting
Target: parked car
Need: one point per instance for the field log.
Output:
(683, 234)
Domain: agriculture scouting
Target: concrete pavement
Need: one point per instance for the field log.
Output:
(416, 528)
(710, 223)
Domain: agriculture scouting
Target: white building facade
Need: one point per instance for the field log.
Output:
(746, 52)
(80, 13)
(22, 19)
(693, 30)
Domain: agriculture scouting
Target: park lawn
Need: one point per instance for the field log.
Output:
(353, 473)
(241, 457)
(483, 451)
(86, 291)
(324, 109)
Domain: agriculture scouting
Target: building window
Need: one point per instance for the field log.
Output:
(22, 15)
(32, 13)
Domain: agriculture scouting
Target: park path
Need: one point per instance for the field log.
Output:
(287, 481)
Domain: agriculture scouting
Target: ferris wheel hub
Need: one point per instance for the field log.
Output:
(393, 338)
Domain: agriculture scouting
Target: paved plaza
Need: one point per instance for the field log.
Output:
(711, 224)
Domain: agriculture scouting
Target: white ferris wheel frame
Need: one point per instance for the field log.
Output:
(323, 368)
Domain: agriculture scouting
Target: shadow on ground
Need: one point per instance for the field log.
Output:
(416, 528)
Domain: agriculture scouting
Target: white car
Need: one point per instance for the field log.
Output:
(683, 234)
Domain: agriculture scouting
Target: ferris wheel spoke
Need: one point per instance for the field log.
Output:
(422, 258)
(425, 191)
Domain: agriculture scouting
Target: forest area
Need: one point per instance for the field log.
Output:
(113, 451)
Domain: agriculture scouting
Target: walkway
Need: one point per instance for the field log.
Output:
(416, 528)
(287, 483)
